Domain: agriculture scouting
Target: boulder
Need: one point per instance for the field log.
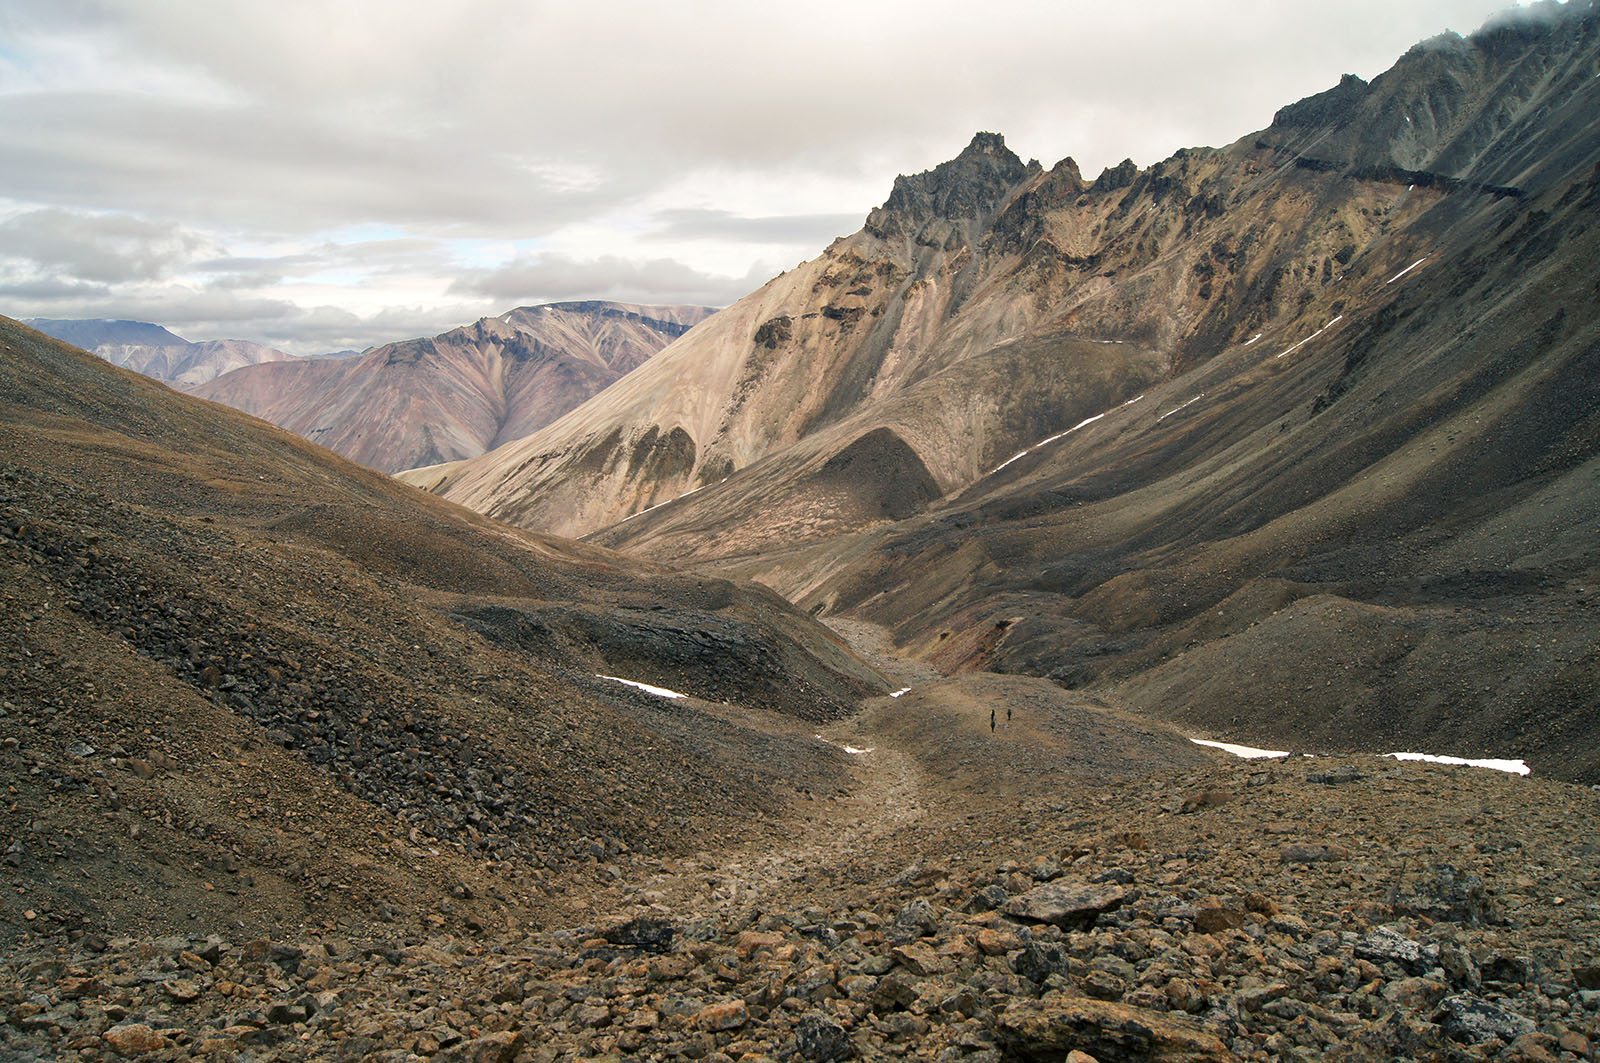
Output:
(1069, 905)
(1110, 1032)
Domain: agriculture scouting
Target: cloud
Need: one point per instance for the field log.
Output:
(655, 151)
(37, 289)
(555, 277)
(107, 248)
(702, 223)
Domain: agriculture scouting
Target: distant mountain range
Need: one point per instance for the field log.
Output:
(458, 394)
(1281, 436)
(154, 351)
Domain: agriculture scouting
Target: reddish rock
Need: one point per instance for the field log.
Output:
(134, 1039)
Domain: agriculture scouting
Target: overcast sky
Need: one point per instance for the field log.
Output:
(324, 174)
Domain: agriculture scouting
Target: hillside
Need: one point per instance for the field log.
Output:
(455, 395)
(233, 659)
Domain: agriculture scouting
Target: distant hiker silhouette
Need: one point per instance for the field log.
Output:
(991, 721)
(1008, 714)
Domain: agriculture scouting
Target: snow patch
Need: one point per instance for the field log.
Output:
(1008, 461)
(1058, 435)
(1247, 752)
(1516, 767)
(1408, 269)
(852, 750)
(660, 692)
(1313, 336)
(902, 690)
(1180, 406)
(1252, 339)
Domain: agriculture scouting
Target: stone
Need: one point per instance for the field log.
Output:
(1102, 985)
(1215, 920)
(1472, 1020)
(645, 934)
(501, 1047)
(1204, 799)
(1071, 906)
(726, 1016)
(1334, 776)
(821, 1040)
(987, 899)
(920, 916)
(1312, 853)
(134, 1039)
(992, 942)
(1109, 1031)
(182, 990)
(750, 942)
(919, 959)
(1038, 962)
(1444, 892)
(1415, 994)
(1385, 944)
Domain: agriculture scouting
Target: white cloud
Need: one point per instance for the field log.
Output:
(554, 277)
(513, 150)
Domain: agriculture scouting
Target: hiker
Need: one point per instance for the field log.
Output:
(991, 721)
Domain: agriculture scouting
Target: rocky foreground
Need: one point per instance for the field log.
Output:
(1315, 909)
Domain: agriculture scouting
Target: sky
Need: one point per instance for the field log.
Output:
(320, 175)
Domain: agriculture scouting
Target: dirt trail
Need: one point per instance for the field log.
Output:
(923, 764)
(827, 839)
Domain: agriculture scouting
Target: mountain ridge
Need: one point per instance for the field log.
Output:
(457, 394)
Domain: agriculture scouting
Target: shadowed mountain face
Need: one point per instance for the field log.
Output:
(209, 622)
(455, 395)
(1291, 440)
(155, 352)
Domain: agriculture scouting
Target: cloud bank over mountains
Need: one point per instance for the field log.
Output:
(317, 176)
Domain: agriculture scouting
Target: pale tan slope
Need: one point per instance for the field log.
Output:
(462, 392)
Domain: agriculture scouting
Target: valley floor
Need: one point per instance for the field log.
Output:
(1067, 879)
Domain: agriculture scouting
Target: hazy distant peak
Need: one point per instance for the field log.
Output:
(89, 333)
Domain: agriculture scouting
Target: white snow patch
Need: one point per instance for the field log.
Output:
(1058, 435)
(1313, 336)
(660, 692)
(1408, 269)
(1014, 457)
(1252, 339)
(1080, 424)
(669, 501)
(1516, 767)
(902, 690)
(1180, 406)
(1247, 752)
(853, 749)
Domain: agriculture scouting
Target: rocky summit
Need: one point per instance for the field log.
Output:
(957, 559)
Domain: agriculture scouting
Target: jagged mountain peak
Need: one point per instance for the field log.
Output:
(970, 187)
